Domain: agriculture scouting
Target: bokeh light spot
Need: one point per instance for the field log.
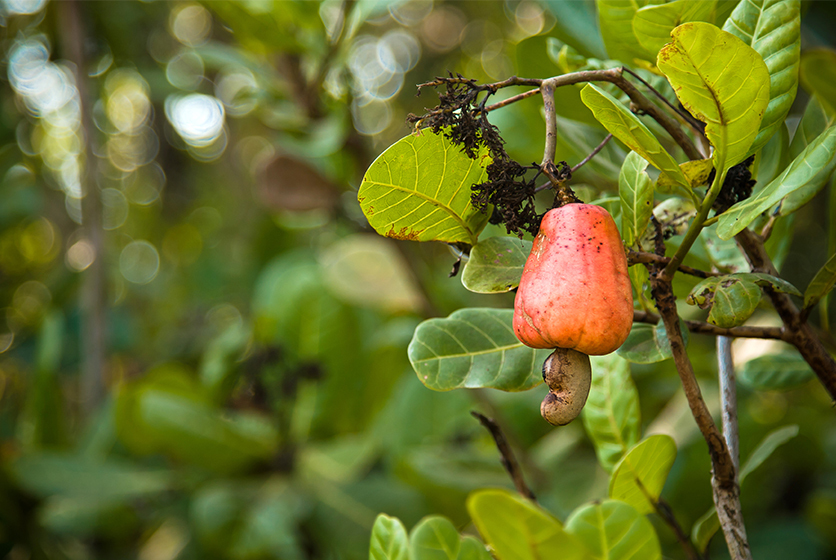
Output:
(139, 262)
(197, 118)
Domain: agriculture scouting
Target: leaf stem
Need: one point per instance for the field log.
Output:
(696, 226)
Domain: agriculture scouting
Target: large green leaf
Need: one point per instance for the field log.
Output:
(816, 118)
(627, 127)
(816, 161)
(474, 348)
(733, 298)
(822, 283)
(517, 529)
(419, 189)
(495, 265)
(652, 25)
(635, 189)
(389, 539)
(773, 29)
(614, 530)
(775, 371)
(707, 525)
(611, 415)
(723, 82)
(615, 19)
(818, 75)
(434, 538)
(639, 477)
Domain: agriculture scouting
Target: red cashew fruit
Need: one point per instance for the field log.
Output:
(575, 291)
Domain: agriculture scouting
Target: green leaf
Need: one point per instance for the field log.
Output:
(704, 529)
(648, 344)
(822, 283)
(818, 75)
(733, 298)
(576, 25)
(474, 348)
(635, 189)
(816, 118)
(696, 172)
(611, 415)
(419, 189)
(614, 530)
(775, 371)
(774, 157)
(767, 447)
(389, 539)
(627, 127)
(773, 29)
(639, 477)
(615, 20)
(723, 82)
(652, 25)
(707, 525)
(434, 538)
(473, 549)
(495, 265)
(56, 474)
(816, 161)
(517, 529)
(168, 412)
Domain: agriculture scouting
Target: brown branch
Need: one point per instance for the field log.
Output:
(698, 327)
(800, 333)
(593, 153)
(94, 287)
(512, 99)
(726, 492)
(666, 513)
(507, 455)
(640, 257)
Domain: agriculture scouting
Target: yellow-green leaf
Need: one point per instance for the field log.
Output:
(627, 127)
(652, 25)
(635, 189)
(816, 161)
(615, 20)
(639, 477)
(696, 172)
(419, 189)
(723, 82)
(773, 29)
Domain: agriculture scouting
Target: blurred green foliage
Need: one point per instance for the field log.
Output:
(259, 400)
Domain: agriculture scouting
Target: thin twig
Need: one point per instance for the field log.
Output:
(698, 327)
(593, 153)
(94, 288)
(666, 513)
(547, 91)
(507, 455)
(512, 99)
(687, 117)
(641, 257)
(728, 400)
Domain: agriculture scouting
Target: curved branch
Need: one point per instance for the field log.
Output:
(640, 257)
(698, 327)
(801, 333)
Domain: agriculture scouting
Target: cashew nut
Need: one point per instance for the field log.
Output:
(568, 374)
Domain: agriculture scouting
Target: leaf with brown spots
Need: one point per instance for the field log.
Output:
(420, 189)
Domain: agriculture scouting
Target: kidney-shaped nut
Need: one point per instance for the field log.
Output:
(568, 374)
